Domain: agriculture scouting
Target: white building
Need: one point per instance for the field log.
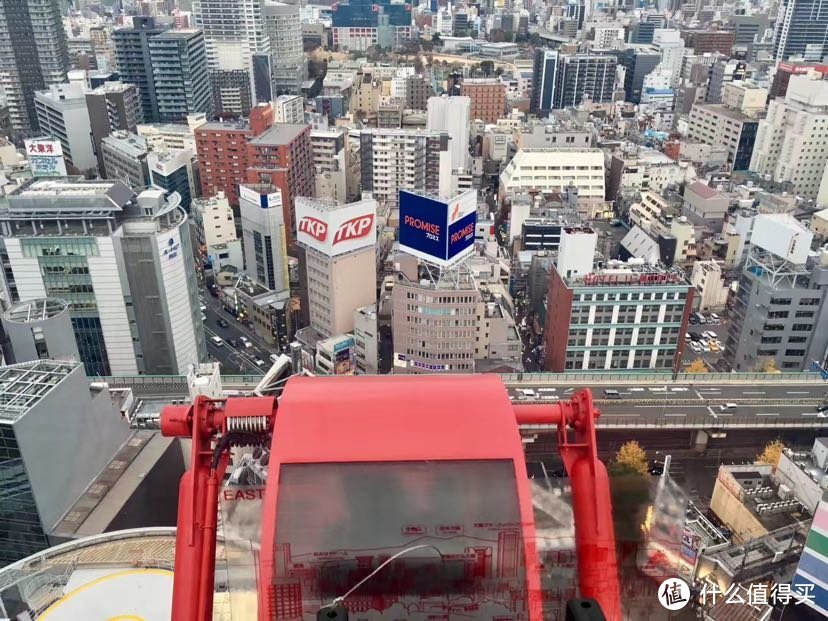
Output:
(263, 233)
(671, 45)
(706, 277)
(217, 219)
(124, 263)
(330, 159)
(63, 115)
(283, 27)
(552, 170)
(340, 243)
(366, 340)
(650, 209)
(233, 32)
(716, 124)
(172, 136)
(452, 115)
(608, 37)
(791, 141)
(289, 109)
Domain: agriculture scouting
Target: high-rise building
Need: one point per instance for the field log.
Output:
(263, 233)
(488, 98)
(123, 263)
(62, 114)
(222, 152)
(718, 124)
(47, 461)
(340, 260)
(452, 115)
(174, 171)
(366, 340)
(709, 41)
(283, 27)
(233, 33)
(801, 30)
(34, 55)
(289, 109)
(395, 159)
(563, 80)
(133, 61)
(356, 24)
(780, 305)
(791, 141)
(179, 63)
(331, 161)
(125, 158)
(639, 62)
(112, 106)
(651, 304)
(283, 157)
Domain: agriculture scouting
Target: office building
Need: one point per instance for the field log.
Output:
(553, 170)
(47, 461)
(33, 57)
(452, 115)
(283, 27)
(125, 158)
(282, 156)
(488, 98)
(608, 37)
(112, 106)
(331, 161)
(38, 330)
(340, 260)
(641, 33)
(222, 152)
(288, 109)
(791, 140)
(481, 336)
(784, 72)
(179, 62)
(123, 263)
(780, 304)
(638, 62)
(395, 159)
(233, 33)
(801, 30)
(650, 304)
(709, 41)
(717, 124)
(563, 80)
(174, 171)
(62, 114)
(264, 235)
(357, 24)
(133, 61)
(215, 231)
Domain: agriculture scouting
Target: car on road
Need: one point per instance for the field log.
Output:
(245, 341)
(222, 322)
(232, 342)
(203, 307)
(259, 362)
(217, 341)
(203, 317)
(611, 393)
(726, 407)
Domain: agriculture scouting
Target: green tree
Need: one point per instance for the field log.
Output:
(487, 67)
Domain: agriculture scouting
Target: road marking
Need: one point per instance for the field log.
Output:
(674, 414)
(748, 392)
(712, 413)
(767, 413)
(798, 392)
(568, 390)
(620, 414)
(710, 389)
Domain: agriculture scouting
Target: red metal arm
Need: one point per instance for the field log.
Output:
(591, 500)
(237, 420)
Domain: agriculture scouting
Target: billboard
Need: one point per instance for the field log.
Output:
(438, 231)
(335, 230)
(344, 357)
(265, 201)
(45, 157)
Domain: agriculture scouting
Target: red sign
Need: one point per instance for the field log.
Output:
(353, 229)
(314, 227)
(661, 278)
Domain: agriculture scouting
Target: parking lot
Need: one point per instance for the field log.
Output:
(705, 340)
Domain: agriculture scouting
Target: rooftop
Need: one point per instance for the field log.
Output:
(35, 310)
(75, 188)
(23, 385)
(703, 190)
(279, 134)
(128, 143)
(635, 272)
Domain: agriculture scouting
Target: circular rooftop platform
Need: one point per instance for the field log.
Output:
(35, 310)
(133, 594)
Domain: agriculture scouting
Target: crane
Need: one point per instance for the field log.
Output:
(386, 426)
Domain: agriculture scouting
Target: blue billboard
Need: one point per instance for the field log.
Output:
(439, 231)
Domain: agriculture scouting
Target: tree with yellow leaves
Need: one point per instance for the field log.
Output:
(767, 365)
(632, 457)
(697, 366)
(771, 453)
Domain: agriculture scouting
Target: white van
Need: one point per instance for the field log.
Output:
(726, 407)
(217, 341)
(529, 393)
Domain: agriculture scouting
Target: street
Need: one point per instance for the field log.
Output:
(238, 360)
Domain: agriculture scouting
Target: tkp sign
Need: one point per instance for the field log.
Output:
(335, 230)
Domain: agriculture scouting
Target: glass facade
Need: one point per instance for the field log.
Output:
(65, 271)
(365, 14)
(21, 533)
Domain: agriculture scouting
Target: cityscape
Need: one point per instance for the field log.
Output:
(511, 310)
